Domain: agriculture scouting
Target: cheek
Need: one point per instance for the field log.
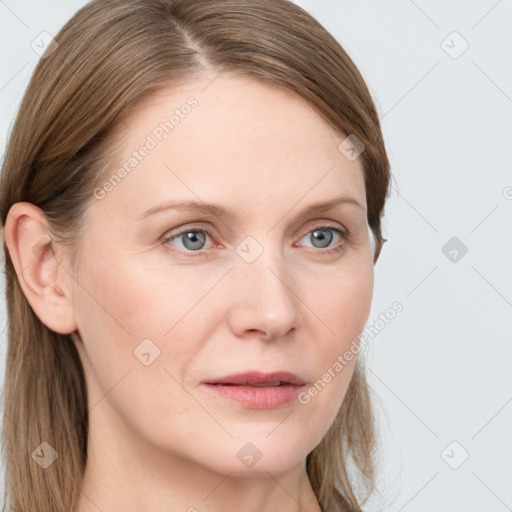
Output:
(343, 302)
(344, 307)
(133, 301)
(130, 315)
(122, 319)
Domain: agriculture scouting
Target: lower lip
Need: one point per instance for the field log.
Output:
(257, 397)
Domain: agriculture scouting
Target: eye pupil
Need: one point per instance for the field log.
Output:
(324, 239)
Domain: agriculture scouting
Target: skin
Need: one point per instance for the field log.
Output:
(157, 440)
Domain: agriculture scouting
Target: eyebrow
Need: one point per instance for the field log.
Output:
(224, 213)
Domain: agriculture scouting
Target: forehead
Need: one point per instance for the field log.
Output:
(231, 139)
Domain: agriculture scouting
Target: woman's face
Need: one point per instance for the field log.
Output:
(171, 297)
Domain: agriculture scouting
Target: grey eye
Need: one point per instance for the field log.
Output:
(322, 236)
(193, 240)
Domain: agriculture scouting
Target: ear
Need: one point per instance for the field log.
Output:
(378, 249)
(41, 267)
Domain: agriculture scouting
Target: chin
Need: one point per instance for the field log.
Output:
(259, 454)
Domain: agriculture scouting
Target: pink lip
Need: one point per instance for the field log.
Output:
(257, 390)
(256, 377)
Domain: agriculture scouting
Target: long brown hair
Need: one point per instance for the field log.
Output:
(110, 55)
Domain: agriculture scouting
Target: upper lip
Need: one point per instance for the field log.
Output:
(256, 377)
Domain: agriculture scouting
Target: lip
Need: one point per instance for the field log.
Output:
(256, 377)
(257, 390)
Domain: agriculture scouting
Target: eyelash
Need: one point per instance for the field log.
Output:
(344, 235)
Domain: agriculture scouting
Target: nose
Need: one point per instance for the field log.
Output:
(265, 297)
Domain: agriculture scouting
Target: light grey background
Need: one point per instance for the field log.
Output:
(442, 367)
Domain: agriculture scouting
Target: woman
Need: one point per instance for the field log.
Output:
(191, 200)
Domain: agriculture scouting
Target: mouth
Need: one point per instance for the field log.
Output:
(257, 390)
(256, 378)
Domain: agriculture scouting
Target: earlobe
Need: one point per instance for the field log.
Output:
(36, 260)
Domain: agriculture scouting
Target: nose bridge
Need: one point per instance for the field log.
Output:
(265, 290)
